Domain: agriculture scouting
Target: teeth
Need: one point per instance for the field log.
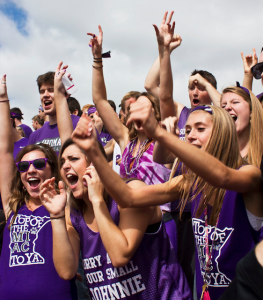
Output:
(69, 175)
(33, 179)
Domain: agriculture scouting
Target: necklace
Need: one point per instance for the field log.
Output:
(129, 157)
(208, 255)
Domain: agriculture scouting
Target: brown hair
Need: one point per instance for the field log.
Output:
(19, 194)
(38, 119)
(132, 94)
(156, 106)
(223, 145)
(47, 78)
(255, 150)
(207, 76)
(87, 106)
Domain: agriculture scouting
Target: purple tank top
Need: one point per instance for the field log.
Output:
(27, 270)
(147, 170)
(152, 273)
(233, 239)
(182, 120)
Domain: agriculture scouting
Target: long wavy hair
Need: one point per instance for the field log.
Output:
(223, 145)
(19, 195)
(78, 204)
(156, 106)
(255, 150)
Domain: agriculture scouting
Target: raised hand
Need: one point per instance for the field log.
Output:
(176, 42)
(249, 61)
(96, 43)
(197, 79)
(3, 89)
(84, 134)
(95, 187)
(53, 202)
(60, 72)
(165, 32)
(142, 114)
(170, 124)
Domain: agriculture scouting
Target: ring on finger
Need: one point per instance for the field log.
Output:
(3, 82)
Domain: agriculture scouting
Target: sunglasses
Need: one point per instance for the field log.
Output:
(257, 70)
(39, 164)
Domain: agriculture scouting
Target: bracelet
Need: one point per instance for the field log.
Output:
(97, 57)
(4, 100)
(97, 61)
(55, 218)
(97, 67)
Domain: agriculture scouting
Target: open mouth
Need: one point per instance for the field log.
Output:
(47, 103)
(34, 182)
(234, 117)
(72, 180)
(196, 102)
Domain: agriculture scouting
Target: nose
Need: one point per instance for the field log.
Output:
(31, 169)
(228, 106)
(66, 165)
(196, 91)
(191, 136)
(46, 93)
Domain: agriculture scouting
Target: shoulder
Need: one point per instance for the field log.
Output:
(75, 120)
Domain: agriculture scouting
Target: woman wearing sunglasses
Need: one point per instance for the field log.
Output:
(126, 252)
(223, 190)
(27, 270)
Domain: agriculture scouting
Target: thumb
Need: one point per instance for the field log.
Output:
(61, 188)
(156, 30)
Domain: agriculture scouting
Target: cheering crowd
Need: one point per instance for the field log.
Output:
(160, 201)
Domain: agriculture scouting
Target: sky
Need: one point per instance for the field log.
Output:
(36, 35)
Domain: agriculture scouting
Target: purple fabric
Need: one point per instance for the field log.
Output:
(19, 145)
(182, 120)
(259, 95)
(171, 230)
(233, 240)
(148, 171)
(91, 110)
(48, 134)
(27, 130)
(152, 273)
(26, 264)
(105, 138)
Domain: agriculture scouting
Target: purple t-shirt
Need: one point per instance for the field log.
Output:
(152, 273)
(27, 270)
(48, 134)
(19, 145)
(233, 238)
(182, 120)
(27, 130)
(105, 138)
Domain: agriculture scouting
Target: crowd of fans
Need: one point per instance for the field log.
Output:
(160, 201)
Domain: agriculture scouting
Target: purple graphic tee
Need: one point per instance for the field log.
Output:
(19, 145)
(152, 273)
(233, 238)
(27, 130)
(105, 138)
(182, 120)
(147, 170)
(48, 134)
(27, 270)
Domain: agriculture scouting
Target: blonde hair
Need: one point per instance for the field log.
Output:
(223, 145)
(255, 150)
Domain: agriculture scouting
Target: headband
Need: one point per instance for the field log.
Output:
(14, 115)
(91, 110)
(243, 88)
(203, 107)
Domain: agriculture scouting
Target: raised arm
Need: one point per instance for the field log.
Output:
(248, 62)
(64, 122)
(124, 195)
(114, 126)
(6, 147)
(244, 180)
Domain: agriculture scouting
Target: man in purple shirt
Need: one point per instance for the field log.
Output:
(17, 116)
(49, 134)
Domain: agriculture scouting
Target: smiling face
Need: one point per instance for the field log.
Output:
(198, 95)
(73, 166)
(198, 129)
(33, 178)
(239, 110)
(47, 99)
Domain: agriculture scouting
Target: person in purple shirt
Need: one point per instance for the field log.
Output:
(48, 134)
(226, 193)
(18, 116)
(27, 270)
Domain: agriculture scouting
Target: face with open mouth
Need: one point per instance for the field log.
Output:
(239, 110)
(33, 178)
(198, 95)
(73, 166)
(47, 98)
(198, 129)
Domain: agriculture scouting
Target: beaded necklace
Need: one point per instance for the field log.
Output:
(129, 157)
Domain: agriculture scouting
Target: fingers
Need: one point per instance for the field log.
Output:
(100, 31)
(243, 57)
(156, 30)
(170, 16)
(164, 17)
(61, 188)
(173, 26)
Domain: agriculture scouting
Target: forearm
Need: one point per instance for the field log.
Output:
(63, 253)
(167, 106)
(98, 85)
(161, 155)
(248, 81)
(7, 143)
(64, 122)
(214, 95)
(152, 81)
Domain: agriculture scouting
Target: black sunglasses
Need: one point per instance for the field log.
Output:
(257, 70)
(39, 164)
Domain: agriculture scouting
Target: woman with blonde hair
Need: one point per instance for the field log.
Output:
(247, 113)
(224, 191)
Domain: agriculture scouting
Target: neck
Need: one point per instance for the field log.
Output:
(52, 119)
(243, 141)
(33, 203)
(141, 137)
(46, 119)
(18, 122)
(16, 135)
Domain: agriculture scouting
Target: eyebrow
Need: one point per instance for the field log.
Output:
(196, 124)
